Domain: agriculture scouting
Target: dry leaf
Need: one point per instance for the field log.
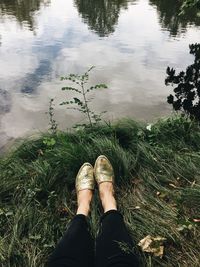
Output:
(193, 183)
(172, 185)
(137, 207)
(40, 152)
(153, 245)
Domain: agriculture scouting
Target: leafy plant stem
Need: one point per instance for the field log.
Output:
(86, 104)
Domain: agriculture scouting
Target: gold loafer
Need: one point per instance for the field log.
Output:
(85, 177)
(103, 170)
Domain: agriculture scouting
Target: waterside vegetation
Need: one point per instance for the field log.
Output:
(157, 171)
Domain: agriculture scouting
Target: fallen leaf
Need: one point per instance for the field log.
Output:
(40, 152)
(137, 207)
(35, 237)
(193, 183)
(184, 227)
(153, 245)
(148, 127)
(172, 185)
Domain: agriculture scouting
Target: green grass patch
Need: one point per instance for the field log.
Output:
(158, 188)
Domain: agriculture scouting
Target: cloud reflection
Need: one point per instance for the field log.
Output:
(131, 61)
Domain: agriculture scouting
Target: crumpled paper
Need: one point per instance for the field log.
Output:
(153, 245)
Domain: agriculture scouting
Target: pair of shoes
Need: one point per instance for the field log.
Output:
(102, 172)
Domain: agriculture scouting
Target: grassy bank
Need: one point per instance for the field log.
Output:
(158, 189)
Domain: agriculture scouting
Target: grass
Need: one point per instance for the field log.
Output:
(158, 189)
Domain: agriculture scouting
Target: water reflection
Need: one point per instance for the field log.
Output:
(168, 15)
(23, 10)
(101, 15)
(5, 101)
(130, 61)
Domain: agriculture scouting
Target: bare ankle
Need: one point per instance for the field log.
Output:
(83, 208)
(84, 199)
(106, 192)
(109, 203)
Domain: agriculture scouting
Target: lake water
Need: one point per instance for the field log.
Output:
(130, 42)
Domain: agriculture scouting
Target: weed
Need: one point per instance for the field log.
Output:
(52, 122)
(81, 102)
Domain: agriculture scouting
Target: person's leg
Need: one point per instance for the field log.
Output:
(76, 248)
(113, 244)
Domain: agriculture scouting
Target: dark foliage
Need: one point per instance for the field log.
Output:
(186, 96)
(101, 15)
(23, 10)
(176, 16)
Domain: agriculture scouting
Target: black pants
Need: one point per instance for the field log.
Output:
(76, 248)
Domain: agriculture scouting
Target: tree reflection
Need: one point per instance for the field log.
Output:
(169, 18)
(101, 15)
(23, 10)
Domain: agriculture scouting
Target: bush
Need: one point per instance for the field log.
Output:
(186, 96)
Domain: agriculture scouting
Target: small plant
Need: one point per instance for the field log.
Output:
(81, 102)
(52, 122)
(49, 141)
(186, 96)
